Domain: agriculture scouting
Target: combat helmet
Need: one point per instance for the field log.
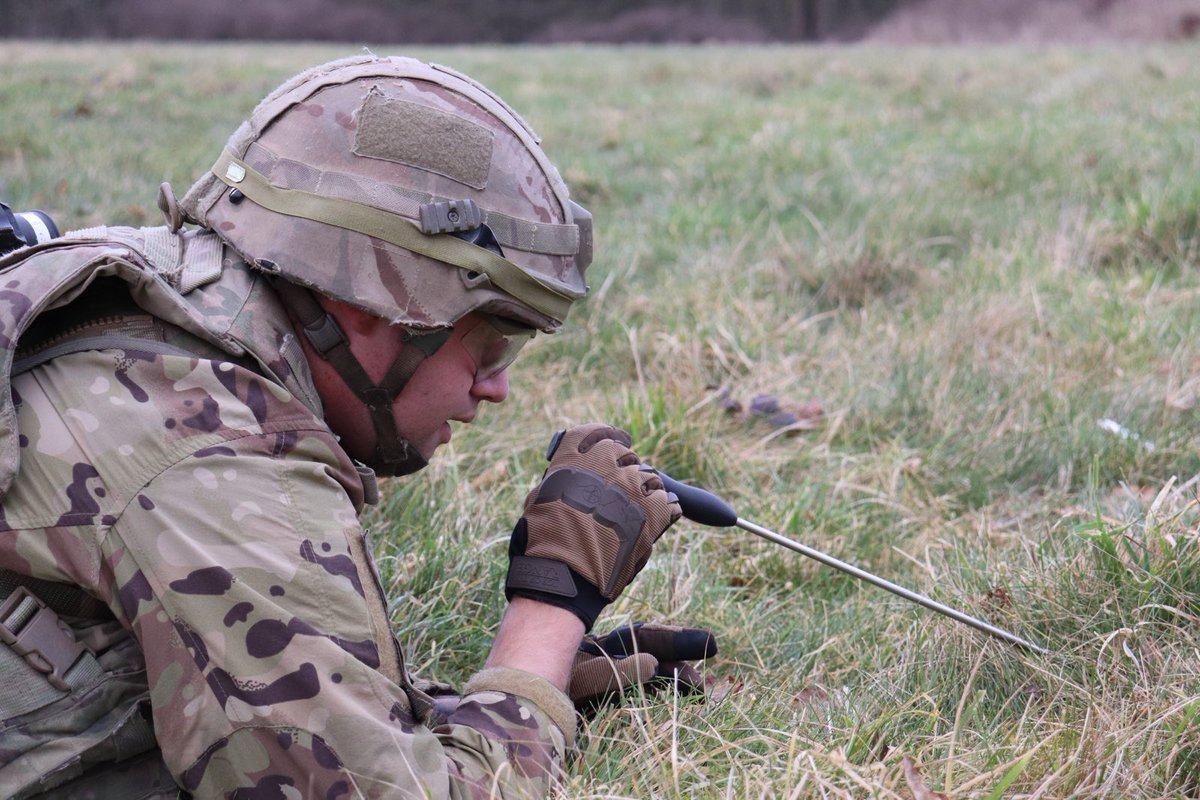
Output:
(407, 190)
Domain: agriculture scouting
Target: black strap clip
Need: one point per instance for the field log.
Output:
(449, 216)
(324, 334)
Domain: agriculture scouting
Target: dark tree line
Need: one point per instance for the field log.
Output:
(444, 21)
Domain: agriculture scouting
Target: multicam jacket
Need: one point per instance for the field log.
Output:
(179, 471)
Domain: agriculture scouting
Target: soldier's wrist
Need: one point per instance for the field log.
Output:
(565, 588)
(586, 605)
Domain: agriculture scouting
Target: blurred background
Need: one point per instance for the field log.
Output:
(513, 21)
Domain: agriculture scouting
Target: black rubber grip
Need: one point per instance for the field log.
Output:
(699, 505)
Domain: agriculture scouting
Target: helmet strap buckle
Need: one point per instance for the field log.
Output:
(324, 334)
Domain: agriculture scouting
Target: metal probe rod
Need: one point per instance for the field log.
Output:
(708, 509)
(907, 594)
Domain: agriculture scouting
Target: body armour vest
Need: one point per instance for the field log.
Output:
(74, 695)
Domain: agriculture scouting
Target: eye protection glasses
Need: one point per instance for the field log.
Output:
(493, 344)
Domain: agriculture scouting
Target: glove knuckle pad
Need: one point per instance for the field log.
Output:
(583, 520)
(583, 438)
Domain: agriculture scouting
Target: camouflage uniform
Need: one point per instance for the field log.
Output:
(184, 477)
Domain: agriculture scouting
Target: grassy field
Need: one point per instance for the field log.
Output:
(967, 260)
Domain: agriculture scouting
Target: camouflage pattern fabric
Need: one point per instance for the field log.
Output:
(216, 516)
(317, 133)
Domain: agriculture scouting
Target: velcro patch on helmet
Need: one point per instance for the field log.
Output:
(427, 138)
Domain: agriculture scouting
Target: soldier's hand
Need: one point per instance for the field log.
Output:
(652, 655)
(589, 526)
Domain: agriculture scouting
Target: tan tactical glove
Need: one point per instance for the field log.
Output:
(589, 525)
(653, 655)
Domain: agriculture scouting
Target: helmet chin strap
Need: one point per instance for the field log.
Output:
(394, 455)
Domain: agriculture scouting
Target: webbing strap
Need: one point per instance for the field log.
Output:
(401, 370)
(547, 238)
(23, 689)
(552, 301)
(394, 454)
(66, 599)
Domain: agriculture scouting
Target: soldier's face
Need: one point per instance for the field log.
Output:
(446, 387)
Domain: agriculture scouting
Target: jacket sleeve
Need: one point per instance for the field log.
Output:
(235, 569)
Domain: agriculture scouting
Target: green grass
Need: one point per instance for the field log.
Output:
(967, 257)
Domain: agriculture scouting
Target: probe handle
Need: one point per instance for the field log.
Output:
(699, 505)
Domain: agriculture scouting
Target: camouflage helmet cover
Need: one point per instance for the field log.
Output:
(350, 177)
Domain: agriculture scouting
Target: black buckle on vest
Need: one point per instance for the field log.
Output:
(36, 633)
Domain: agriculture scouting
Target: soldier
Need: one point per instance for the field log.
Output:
(195, 417)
